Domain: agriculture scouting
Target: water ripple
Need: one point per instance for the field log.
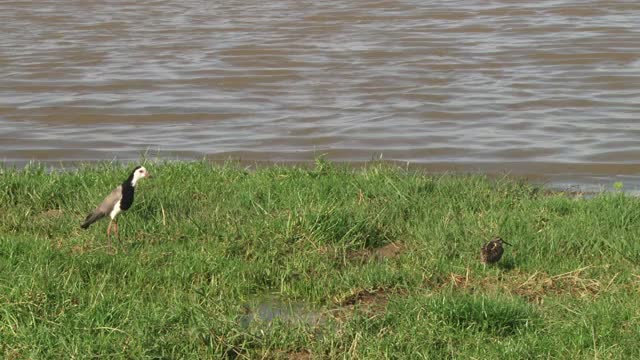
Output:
(505, 84)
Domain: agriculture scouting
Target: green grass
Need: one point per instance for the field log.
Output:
(204, 246)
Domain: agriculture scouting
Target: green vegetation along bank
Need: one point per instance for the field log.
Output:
(216, 261)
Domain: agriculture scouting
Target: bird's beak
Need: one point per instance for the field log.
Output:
(506, 243)
(148, 175)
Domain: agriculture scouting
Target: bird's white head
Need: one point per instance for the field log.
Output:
(139, 173)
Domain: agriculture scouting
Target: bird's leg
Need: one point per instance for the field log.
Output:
(117, 233)
(109, 233)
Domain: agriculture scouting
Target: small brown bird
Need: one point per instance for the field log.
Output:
(492, 251)
(120, 199)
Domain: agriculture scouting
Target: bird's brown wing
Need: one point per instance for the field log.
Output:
(110, 201)
(104, 208)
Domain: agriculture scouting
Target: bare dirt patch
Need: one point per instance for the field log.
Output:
(299, 355)
(532, 287)
(370, 301)
(388, 251)
(365, 297)
(79, 249)
(289, 355)
(573, 283)
(51, 214)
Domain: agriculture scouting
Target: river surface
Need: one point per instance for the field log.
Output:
(547, 89)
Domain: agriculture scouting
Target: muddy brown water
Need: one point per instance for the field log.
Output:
(548, 89)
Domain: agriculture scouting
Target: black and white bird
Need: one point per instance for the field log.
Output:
(492, 251)
(120, 199)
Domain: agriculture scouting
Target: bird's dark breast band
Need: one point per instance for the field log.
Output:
(127, 196)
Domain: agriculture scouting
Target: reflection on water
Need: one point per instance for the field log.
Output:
(267, 310)
(548, 87)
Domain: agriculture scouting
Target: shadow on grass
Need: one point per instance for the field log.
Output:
(507, 264)
(502, 317)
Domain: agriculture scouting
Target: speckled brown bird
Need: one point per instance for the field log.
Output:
(492, 251)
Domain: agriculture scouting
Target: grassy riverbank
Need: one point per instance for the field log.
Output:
(326, 262)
